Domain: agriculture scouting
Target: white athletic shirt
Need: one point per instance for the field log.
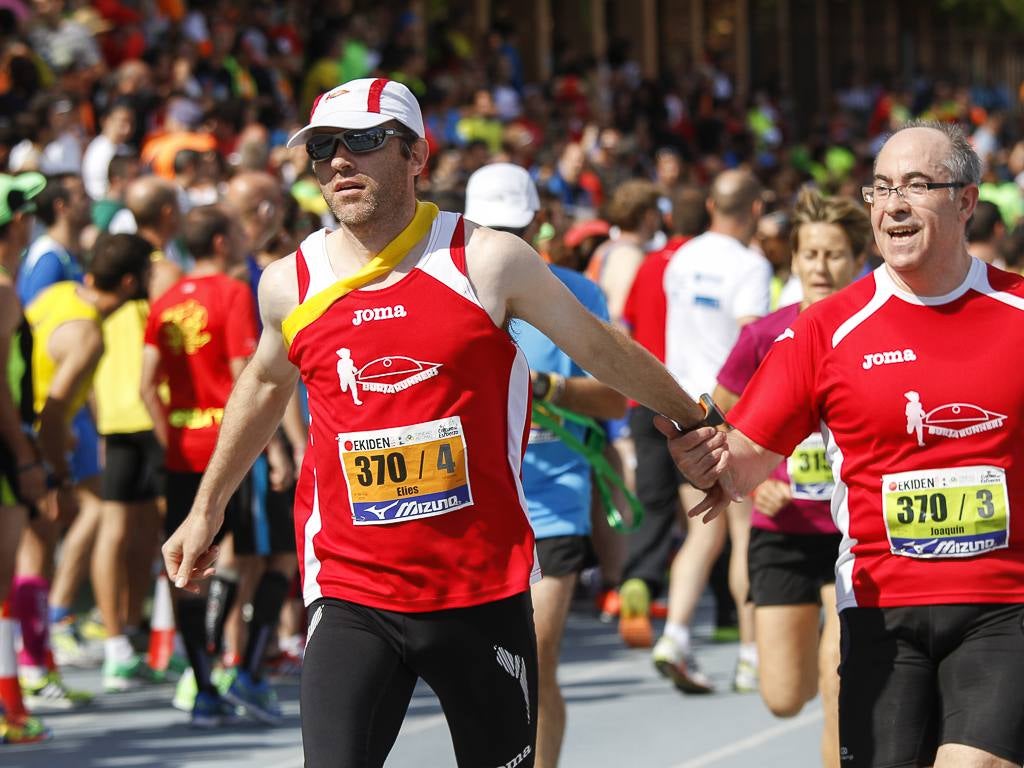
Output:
(711, 282)
(920, 401)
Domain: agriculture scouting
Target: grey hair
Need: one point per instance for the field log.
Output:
(963, 162)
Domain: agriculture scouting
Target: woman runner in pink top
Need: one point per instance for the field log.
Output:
(793, 541)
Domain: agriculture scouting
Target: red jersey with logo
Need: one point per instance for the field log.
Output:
(199, 326)
(409, 496)
(646, 306)
(806, 471)
(920, 404)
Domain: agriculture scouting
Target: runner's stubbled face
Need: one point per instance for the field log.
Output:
(918, 236)
(823, 260)
(359, 186)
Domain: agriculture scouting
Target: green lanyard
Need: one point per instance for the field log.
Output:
(550, 417)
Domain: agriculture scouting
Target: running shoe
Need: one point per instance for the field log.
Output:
(50, 692)
(744, 680)
(679, 667)
(210, 710)
(27, 730)
(257, 699)
(726, 634)
(91, 628)
(176, 667)
(634, 614)
(126, 675)
(185, 692)
(69, 650)
(607, 602)
(223, 678)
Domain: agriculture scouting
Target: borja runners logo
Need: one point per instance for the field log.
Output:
(361, 316)
(388, 375)
(394, 374)
(953, 420)
(888, 358)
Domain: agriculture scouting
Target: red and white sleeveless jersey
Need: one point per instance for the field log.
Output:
(409, 497)
(920, 402)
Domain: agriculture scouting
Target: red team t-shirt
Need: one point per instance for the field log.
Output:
(409, 497)
(920, 402)
(199, 326)
(807, 471)
(646, 306)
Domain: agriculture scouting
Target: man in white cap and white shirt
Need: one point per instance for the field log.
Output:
(556, 478)
(415, 548)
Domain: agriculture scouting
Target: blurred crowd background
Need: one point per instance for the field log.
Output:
(584, 94)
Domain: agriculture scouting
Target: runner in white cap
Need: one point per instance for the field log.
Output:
(415, 547)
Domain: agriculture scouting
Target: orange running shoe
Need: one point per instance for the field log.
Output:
(634, 614)
(608, 604)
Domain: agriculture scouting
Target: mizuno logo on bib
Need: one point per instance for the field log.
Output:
(404, 473)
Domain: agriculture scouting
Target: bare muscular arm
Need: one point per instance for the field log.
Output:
(512, 281)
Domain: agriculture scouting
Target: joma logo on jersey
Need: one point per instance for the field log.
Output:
(888, 358)
(361, 316)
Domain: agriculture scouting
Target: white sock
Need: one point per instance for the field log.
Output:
(118, 649)
(680, 634)
(748, 653)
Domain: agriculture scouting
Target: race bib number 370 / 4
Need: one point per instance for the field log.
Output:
(955, 512)
(406, 473)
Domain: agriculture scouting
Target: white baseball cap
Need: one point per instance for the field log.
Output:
(501, 195)
(363, 103)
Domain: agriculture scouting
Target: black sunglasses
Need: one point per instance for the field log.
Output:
(357, 140)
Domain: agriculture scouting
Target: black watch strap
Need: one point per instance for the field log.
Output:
(713, 416)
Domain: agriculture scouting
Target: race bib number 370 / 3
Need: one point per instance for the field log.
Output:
(405, 473)
(955, 512)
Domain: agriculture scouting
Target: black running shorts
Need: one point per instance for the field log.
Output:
(563, 555)
(133, 467)
(790, 569)
(914, 678)
(181, 492)
(361, 666)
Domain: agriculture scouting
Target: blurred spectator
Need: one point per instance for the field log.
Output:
(116, 129)
(60, 41)
(772, 238)
(570, 181)
(55, 256)
(985, 232)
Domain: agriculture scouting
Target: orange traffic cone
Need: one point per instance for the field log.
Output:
(10, 689)
(161, 627)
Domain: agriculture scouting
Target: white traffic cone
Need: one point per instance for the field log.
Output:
(161, 628)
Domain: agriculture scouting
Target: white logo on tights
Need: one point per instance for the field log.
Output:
(516, 667)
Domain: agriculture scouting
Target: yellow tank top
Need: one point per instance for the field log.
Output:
(119, 408)
(58, 304)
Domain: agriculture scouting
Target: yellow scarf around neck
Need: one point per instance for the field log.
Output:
(381, 264)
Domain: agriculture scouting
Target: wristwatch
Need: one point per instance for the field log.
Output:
(713, 416)
(548, 387)
(541, 385)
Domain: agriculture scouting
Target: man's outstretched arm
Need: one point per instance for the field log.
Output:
(505, 267)
(251, 417)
